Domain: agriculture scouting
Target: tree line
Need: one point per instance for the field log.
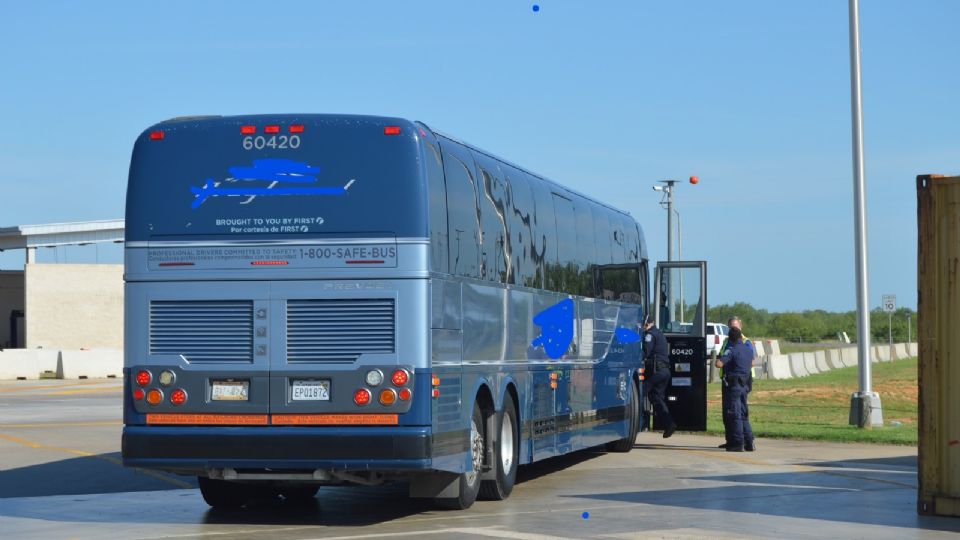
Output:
(815, 324)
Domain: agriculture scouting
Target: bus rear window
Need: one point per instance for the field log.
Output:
(275, 177)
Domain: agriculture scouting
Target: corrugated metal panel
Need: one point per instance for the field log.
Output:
(339, 330)
(203, 331)
(938, 307)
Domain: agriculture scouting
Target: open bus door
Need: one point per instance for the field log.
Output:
(680, 307)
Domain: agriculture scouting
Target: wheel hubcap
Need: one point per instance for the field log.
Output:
(476, 451)
(506, 443)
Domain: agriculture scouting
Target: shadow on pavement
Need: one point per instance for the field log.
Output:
(85, 475)
(875, 492)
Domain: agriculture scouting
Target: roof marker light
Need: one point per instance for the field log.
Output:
(248, 130)
(271, 129)
(156, 135)
(391, 130)
(296, 128)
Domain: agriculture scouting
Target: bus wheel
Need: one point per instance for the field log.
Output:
(633, 419)
(223, 494)
(506, 454)
(469, 482)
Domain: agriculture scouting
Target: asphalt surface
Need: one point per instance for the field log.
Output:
(60, 477)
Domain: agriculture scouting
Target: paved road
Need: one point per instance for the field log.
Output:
(60, 477)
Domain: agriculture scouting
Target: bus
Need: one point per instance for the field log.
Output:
(336, 299)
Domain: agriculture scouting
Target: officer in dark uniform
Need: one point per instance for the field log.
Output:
(736, 363)
(657, 369)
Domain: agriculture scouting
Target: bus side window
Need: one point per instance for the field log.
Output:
(463, 223)
(520, 227)
(602, 240)
(544, 234)
(437, 194)
(586, 249)
(566, 273)
(494, 205)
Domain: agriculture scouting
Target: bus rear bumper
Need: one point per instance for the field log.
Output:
(193, 450)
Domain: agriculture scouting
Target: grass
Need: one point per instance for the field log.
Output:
(818, 407)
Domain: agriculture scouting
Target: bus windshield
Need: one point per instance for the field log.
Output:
(276, 177)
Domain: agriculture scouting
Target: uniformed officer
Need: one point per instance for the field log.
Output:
(735, 322)
(657, 369)
(736, 363)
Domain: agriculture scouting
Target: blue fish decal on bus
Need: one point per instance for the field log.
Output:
(626, 335)
(556, 328)
(275, 171)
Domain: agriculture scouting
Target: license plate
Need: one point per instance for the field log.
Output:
(311, 391)
(230, 391)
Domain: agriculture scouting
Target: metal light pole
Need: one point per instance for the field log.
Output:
(865, 409)
(667, 190)
(680, 257)
(909, 329)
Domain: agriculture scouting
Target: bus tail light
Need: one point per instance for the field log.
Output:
(391, 130)
(178, 396)
(388, 396)
(405, 394)
(361, 397)
(435, 381)
(154, 396)
(144, 377)
(400, 377)
(716, 339)
(156, 135)
(138, 394)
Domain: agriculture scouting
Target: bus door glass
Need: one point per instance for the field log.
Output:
(680, 306)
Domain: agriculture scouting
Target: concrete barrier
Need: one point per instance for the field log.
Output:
(810, 361)
(759, 347)
(882, 353)
(778, 366)
(848, 355)
(821, 358)
(772, 346)
(95, 364)
(26, 363)
(797, 365)
(900, 351)
(833, 358)
(912, 350)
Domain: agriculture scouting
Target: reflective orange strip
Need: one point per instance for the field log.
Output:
(334, 419)
(208, 419)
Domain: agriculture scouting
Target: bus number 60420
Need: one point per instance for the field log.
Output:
(274, 141)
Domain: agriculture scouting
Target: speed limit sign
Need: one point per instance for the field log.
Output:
(889, 303)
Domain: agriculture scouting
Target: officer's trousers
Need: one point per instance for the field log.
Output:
(655, 386)
(736, 412)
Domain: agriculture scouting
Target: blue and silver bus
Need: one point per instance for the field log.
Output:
(335, 299)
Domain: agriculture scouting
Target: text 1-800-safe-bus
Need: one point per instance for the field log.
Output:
(328, 299)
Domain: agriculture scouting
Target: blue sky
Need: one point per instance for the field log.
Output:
(606, 97)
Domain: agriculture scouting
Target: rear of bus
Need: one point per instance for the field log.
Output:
(276, 299)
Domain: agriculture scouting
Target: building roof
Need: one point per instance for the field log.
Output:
(61, 234)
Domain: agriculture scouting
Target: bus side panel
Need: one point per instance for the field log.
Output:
(450, 435)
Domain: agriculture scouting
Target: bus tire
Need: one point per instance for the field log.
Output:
(469, 482)
(223, 494)
(506, 454)
(633, 417)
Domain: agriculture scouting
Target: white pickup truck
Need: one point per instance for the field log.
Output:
(716, 334)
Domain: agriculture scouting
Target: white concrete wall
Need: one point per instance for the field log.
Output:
(27, 363)
(11, 298)
(74, 306)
